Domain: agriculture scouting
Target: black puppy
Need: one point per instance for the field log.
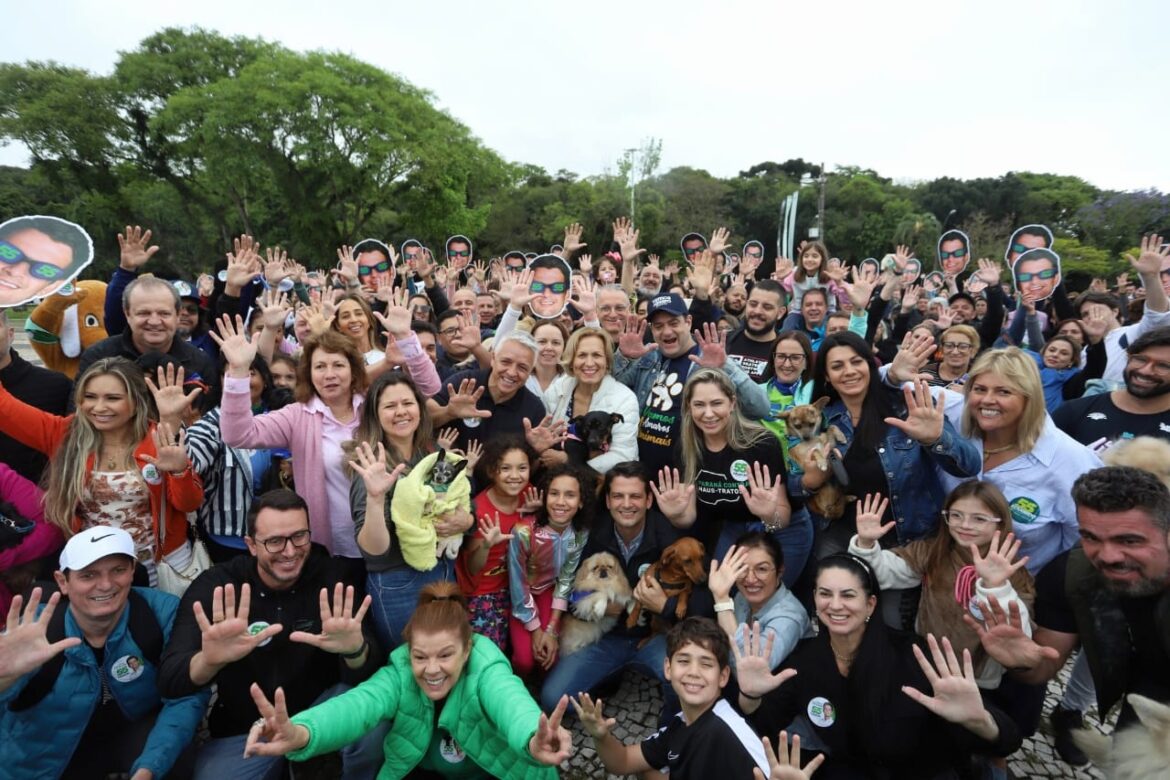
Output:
(592, 434)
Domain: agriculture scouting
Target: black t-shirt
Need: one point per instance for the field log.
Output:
(658, 426)
(718, 744)
(97, 754)
(754, 357)
(717, 496)
(1096, 417)
(507, 417)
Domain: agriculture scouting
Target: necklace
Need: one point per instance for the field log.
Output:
(112, 460)
(846, 658)
(988, 453)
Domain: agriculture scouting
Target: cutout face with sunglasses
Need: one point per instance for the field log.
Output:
(1036, 274)
(32, 264)
(374, 268)
(550, 285)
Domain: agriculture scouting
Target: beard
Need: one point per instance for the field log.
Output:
(649, 292)
(1136, 589)
(1160, 389)
(769, 329)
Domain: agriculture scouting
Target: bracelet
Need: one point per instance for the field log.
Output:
(776, 525)
(750, 698)
(357, 653)
(552, 631)
(725, 606)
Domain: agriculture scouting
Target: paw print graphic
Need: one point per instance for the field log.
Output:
(665, 390)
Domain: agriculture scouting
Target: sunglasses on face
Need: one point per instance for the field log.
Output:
(960, 252)
(754, 255)
(381, 268)
(693, 251)
(1024, 276)
(1019, 249)
(11, 255)
(459, 253)
(555, 287)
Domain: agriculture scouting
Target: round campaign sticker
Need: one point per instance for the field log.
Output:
(974, 609)
(821, 712)
(739, 470)
(127, 668)
(450, 751)
(471, 422)
(151, 475)
(642, 569)
(256, 628)
(1024, 510)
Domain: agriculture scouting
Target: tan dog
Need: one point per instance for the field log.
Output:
(1136, 752)
(680, 567)
(804, 422)
(600, 582)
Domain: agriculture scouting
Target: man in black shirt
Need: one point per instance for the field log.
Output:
(751, 345)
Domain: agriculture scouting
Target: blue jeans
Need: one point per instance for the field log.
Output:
(796, 541)
(595, 663)
(224, 757)
(395, 596)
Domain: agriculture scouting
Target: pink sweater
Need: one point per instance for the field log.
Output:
(45, 539)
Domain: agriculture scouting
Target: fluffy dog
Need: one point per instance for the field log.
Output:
(1144, 452)
(600, 582)
(1137, 752)
(594, 433)
(815, 446)
(680, 567)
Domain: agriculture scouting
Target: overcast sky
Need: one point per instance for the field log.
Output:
(914, 90)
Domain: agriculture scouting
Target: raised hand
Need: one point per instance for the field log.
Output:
(1123, 282)
(489, 529)
(910, 297)
(532, 500)
(631, 343)
(341, 627)
(234, 345)
(1096, 322)
(24, 646)
(956, 696)
(461, 403)
(226, 638)
(584, 295)
(1153, 255)
(170, 449)
(135, 252)
(274, 309)
(473, 454)
(549, 433)
(672, 496)
(552, 744)
(273, 734)
(447, 438)
(924, 416)
(720, 240)
(424, 265)
(1002, 636)
(573, 243)
(702, 273)
(276, 268)
(347, 267)
(784, 266)
(370, 464)
(1000, 563)
(712, 347)
(786, 765)
(321, 313)
(521, 294)
(869, 520)
(723, 577)
(989, 271)
(589, 712)
(902, 255)
(627, 238)
(170, 401)
(397, 318)
(917, 348)
(753, 669)
(585, 264)
(764, 497)
(748, 265)
(860, 291)
(243, 263)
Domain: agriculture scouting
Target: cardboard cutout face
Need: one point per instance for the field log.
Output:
(374, 267)
(1036, 273)
(954, 252)
(1025, 238)
(551, 278)
(933, 282)
(38, 255)
(912, 271)
(869, 269)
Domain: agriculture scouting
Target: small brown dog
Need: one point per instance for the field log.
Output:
(804, 422)
(680, 567)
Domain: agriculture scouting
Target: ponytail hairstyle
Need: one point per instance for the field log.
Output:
(442, 606)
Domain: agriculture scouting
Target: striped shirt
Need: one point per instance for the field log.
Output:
(227, 476)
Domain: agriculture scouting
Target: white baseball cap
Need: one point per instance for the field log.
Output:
(94, 544)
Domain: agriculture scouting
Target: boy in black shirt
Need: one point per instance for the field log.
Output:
(708, 738)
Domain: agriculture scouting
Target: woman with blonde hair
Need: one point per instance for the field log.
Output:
(959, 345)
(733, 476)
(1022, 452)
(586, 385)
(112, 465)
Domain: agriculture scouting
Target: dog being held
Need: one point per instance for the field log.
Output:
(591, 435)
(815, 446)
(678, 570)
(600, 582)
(1136, 752)
(442, 476)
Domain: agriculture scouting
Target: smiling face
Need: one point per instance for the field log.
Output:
(788, 361)
(761, 580)
(106, 404)
(763, 310)
(847, 372)
(398, 412)
(814, 307)
(485, 307)
(550, 345)
(977, 525)
(546, 282)
(512, 364)
(694, 673)
(99, 591)
(374, 269)
(353, 323)
(1030, 278)
(563, 500)
(18, 281)
(628, 499)
(1059, 354)
(672, 333)
(437, 661)
(954, 255)
(957, 351)
(811, 261)
(650, 280)
(962, 311)
(1128, 548)
(153, 317)
(612, 309)
(1146, 374)
(589, 364)
(710, 409)
(994, 404)
(511, 475)
(279, 570)
(463, 301)
(331, 376)
(736, 299)
(841, 603)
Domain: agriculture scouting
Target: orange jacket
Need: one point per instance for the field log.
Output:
(171, 497)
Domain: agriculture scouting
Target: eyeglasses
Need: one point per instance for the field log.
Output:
(556, 287)
(275, 544)
(753, 254)
(1141, 361)
(1047, 273)
(960, 252)
(366, 270)
(449, 332)
(952, 517)
(791, 359)
(695, 251)
(459, 253)
(763, 570)
(421, 308)
(11, 254)
(956, 346)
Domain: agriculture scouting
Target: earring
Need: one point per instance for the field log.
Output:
(867, 617)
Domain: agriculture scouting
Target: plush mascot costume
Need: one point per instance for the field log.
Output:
(63, 325)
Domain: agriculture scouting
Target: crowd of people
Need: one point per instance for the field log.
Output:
(410, 516)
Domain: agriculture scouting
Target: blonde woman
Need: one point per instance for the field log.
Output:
(959, 345)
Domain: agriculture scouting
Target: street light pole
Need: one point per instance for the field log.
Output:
(632, 178)
(821, 207)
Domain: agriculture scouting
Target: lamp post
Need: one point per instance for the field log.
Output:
(808, 180)
(631, 177)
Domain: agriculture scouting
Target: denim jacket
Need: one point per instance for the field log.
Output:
(915, 489)
(639, 376)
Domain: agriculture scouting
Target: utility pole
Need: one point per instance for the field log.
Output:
(821, 207)
(631, 177)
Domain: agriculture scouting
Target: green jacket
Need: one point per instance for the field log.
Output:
(488, 712)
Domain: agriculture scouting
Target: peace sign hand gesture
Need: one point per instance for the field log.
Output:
(869, 520)
(552, 744)
(924, 417)
(273, 734)
(341, 628)
(997, 566)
